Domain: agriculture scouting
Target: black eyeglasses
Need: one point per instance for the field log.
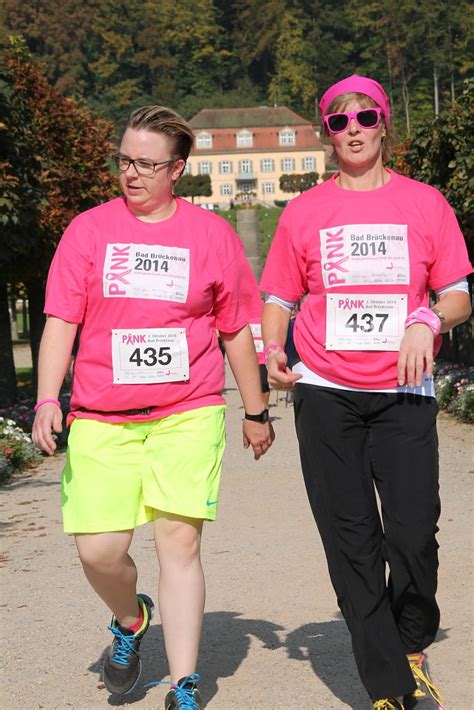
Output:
(146, 168)
(366, 118)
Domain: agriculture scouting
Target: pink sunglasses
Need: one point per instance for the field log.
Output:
(366, 118)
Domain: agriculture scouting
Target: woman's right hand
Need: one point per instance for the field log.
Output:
(280, 377)
(48, 419)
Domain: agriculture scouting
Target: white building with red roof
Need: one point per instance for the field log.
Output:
(245, 150)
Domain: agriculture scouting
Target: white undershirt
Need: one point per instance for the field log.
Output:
(312, 378)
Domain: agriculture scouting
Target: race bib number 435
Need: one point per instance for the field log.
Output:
(363, 254)
(144, 271)
(365, 321)
(149, 355)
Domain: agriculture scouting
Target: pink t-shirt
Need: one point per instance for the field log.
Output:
(148, 298)
(365, 261)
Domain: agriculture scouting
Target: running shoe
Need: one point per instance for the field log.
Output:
(388, 704)
(185, 695)
(426, 696)
(122, 665)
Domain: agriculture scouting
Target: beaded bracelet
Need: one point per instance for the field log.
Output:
(46, 401)
(271, 347)
(427, 317)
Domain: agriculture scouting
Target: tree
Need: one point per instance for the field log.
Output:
(193, 186)
(293, 83)
(297, 182)
(441, 153)
(61, 168)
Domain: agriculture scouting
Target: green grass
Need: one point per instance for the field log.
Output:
(267, 223)
(19, 321)
(230, 216)
(24, 379)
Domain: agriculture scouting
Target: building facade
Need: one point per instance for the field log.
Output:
(244, 151)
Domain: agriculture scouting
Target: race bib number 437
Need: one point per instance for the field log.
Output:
(144, 271)
(363, 254)
(365, 321)
(149, 355)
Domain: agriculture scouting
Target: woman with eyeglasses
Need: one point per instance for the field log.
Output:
(366, 247)
(147, 279)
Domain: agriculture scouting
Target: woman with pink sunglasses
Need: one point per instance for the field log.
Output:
(365, 248)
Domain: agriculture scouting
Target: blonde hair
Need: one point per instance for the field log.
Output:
(159, 119)
(340, 103)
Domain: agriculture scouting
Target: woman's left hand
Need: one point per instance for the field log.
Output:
(259, 436)
(416, 355)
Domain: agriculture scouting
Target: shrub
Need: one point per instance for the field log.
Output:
(454, 386)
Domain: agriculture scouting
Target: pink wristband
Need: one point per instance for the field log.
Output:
(271, 347)
(426, 316)
(47, 401)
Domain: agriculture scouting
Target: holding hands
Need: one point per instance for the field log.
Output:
(280, 377)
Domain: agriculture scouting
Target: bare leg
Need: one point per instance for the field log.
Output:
(181, 590)
(111, 572)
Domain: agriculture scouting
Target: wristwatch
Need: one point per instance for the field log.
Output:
(440, 315)
(262, 417)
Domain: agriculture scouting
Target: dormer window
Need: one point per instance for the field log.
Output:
(244, 139)
(204, 140)
(287, 136)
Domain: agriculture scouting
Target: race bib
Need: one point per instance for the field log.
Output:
(362, 321)
(144, 271)
(149, 355)
(362, 254)
(256, 330)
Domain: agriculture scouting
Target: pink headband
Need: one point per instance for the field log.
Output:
(359, 85)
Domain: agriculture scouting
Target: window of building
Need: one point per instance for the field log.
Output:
(187, 169)
(204, 167)
(268, 188)
(287, 164)
(244, 139)
(309, 163)
(267, 165)
(246, 187)
(226, 189)
(287, 137)
(204, 140)
(225, 167)
(245, 166)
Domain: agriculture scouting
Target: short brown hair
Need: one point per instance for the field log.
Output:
(340, 103)
(159, 119)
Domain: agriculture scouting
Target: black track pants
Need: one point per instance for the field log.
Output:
(350, 441)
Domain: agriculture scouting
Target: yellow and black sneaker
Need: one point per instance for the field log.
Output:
(122, 665)
(426, 696)
(388, 704)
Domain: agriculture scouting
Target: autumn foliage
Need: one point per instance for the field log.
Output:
(58, 166)
(55, 164)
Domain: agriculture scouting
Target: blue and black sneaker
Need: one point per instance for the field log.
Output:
(122, 665)
(184, 695)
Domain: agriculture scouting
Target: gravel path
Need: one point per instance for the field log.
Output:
(273, 637)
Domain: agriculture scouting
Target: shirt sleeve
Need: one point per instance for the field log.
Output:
(66, 288)
(450, 257)
(284, 274)
(237, 287)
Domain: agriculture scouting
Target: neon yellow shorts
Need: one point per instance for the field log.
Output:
(117, 476)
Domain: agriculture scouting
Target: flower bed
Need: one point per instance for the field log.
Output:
(455, 389)
(17, 451)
